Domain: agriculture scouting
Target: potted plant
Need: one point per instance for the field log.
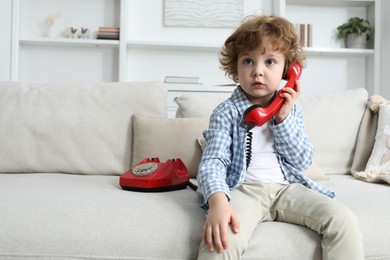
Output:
(356, 32)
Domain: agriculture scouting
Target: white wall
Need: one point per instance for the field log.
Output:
(146, 24)
(5, 43)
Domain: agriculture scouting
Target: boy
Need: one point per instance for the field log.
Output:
(245, 184)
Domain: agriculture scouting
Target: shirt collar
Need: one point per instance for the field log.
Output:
(240, 100)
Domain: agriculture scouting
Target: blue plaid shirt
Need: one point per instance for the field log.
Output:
(223, 163)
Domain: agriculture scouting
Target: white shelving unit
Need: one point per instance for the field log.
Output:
(364, 62)
(149, 51)
(36, 57)
(5, 43)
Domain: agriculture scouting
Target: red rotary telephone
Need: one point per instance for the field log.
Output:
(257, 115)
(151, 175)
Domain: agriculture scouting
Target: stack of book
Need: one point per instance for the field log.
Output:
(108, 33)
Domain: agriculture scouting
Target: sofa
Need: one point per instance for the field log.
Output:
(64, 146)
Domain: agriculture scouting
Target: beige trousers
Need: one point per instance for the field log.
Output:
(296, 204)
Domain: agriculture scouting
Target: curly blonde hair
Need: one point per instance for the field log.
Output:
(250, 36)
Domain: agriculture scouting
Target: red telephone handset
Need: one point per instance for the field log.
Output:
(257, 115)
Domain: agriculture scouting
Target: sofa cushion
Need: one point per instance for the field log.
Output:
(196, 105)
(168, 139)
(82, 128)
(332, 121)
(63, 216)
(369, 202)
(66, 216)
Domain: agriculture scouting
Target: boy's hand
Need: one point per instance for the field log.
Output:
(215, 229)
(290, 95)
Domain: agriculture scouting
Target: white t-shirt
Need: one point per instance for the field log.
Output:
(264, 165)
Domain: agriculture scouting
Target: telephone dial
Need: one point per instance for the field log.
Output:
(257, 115)
(152, 175)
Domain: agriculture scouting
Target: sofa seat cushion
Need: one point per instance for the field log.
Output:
(63, 216)
(370, 203)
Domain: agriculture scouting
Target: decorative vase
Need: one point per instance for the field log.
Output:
(355, 40)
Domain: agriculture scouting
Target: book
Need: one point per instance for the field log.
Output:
(108, 35)
(309, 38)
(108, 29)
(182, 80)
(302, 29)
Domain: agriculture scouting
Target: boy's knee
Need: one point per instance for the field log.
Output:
(342, 221)
(341, 237)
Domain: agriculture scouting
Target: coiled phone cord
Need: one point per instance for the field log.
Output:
(249, 137)
(192, 185)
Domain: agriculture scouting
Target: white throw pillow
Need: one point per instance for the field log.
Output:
(379, 161)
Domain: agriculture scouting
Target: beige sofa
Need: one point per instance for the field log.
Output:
(63, 147)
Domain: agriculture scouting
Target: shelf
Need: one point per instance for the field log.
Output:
(173, 46)
(339, 51)
(351, 3)
(192, 47)
(64, 42)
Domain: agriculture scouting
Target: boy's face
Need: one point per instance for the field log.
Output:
(260, 72)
